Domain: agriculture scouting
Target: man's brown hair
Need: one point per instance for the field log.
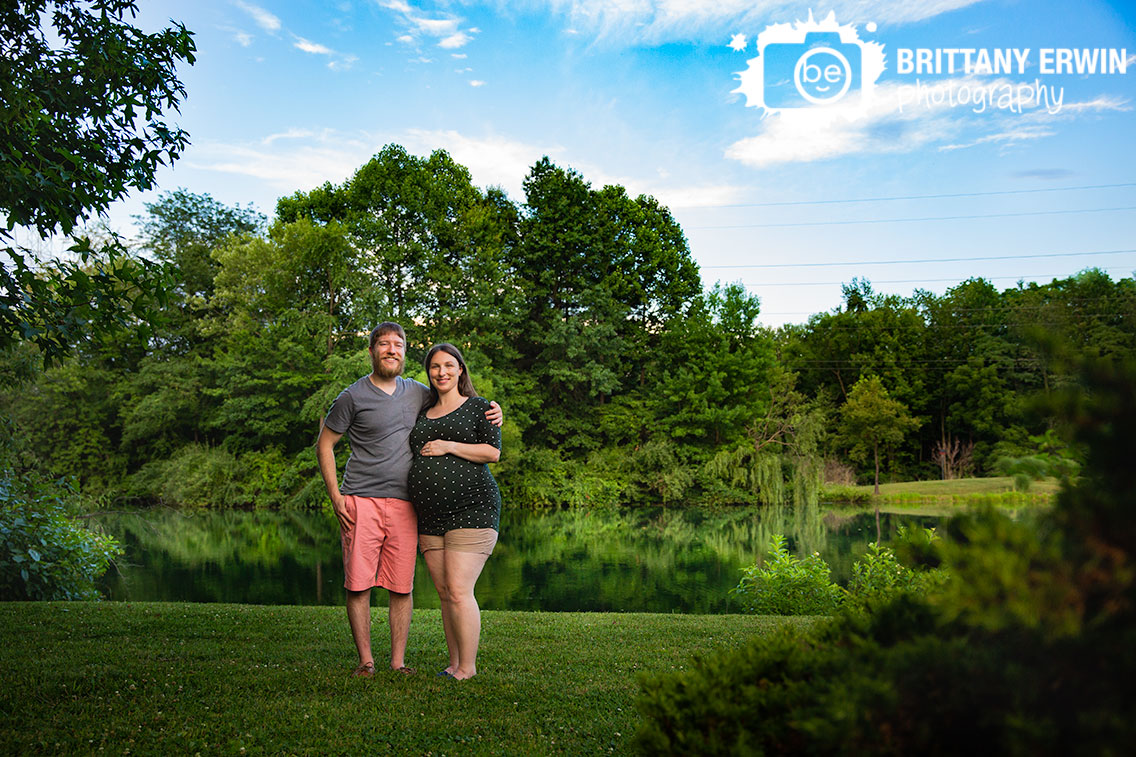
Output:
(386, 327)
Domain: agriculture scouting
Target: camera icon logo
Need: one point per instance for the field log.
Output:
(821, 70)
(811, 63)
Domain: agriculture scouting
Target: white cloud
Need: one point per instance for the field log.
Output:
(395, 5)
(290, 134)
(738, 42)
(446, 30)
(344, 63)
(669, 194)
(1019, 133)
(454, 41)
(300, 159)
(459, 56)
(244, 39)
(338, 62)
(476, 83)
(492, 161)
(1097, 104)
(312, 47)
(824, 133)
(263, 18)
(700, 196)
(434, 27)
(406, 39)
(1041, 123)
(299, 162)
(655, 21)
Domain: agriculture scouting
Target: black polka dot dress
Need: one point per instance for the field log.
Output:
(451, 492)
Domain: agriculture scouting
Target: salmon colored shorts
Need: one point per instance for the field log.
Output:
(379, 550)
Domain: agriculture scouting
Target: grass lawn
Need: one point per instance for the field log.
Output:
(944, 497)
(154, 678)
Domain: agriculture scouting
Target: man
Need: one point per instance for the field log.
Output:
(378, 525)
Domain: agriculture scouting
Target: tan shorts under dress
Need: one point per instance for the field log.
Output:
(479, 540)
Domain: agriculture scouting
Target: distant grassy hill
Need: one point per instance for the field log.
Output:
(157, 678)
(938, 497)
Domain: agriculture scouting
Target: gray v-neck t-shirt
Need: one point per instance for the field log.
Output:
(378, 426)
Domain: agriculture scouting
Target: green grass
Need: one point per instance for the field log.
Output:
(963, 486)
(945, 497)
(153, 678)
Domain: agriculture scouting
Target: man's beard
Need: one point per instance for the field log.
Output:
(382, 371)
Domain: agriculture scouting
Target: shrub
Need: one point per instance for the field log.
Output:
(45, 554)
(879, 576)
(201, 476)
(195, 476)
(533, 477)
(788, 585)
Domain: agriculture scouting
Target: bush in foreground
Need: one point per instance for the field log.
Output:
(45, 553)
(1030, 648)
(790, 585)
(879, 576)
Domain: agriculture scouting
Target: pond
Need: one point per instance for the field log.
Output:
(632, 560)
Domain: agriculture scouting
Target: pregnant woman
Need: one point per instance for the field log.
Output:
(458, 503)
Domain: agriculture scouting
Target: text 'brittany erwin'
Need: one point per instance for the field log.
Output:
(1010, 60)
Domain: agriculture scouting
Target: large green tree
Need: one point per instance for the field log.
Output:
(183, 228)
(421, 229)
(601, 273)
(84, 96)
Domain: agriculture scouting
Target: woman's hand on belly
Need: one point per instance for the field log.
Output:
(474, 453)
(437, 448)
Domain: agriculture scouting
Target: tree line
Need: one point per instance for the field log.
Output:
(580, 309)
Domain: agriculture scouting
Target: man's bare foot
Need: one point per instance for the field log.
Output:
(365, 670)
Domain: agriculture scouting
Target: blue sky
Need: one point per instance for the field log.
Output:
(287, 94)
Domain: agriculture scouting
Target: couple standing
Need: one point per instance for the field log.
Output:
(426, 445)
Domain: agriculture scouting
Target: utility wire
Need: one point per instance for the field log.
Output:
(920, 260)
(924, 218)
(918, 197)
(975, 326)
(1007, 308)
(905, 281)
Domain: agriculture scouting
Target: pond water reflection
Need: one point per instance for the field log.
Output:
(633, 560)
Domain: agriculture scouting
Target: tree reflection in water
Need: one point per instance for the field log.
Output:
(631, 560)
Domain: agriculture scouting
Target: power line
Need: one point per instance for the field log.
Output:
(919, 197)
(1015, 307)
(921, 260)
(942, 364)
(1070, 320)
(909, 281)
(924, 218)
(910, 361)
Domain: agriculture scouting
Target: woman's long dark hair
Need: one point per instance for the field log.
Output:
(465, 384)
